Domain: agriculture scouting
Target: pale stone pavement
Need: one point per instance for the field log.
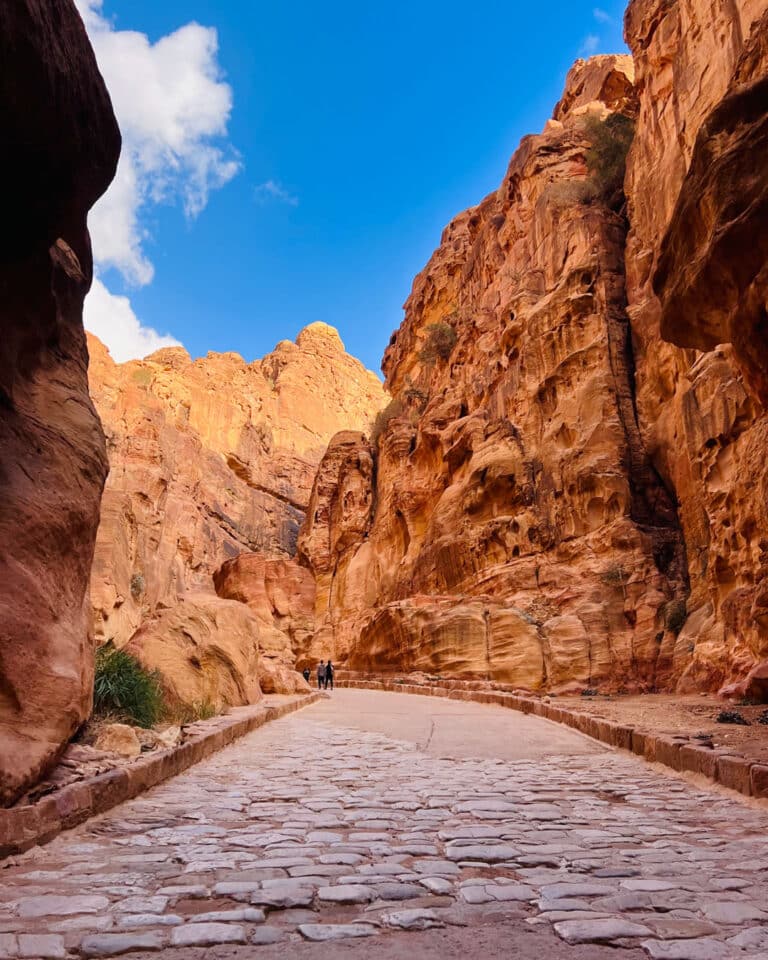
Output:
(385, 826)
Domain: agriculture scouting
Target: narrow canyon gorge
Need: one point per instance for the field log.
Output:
(561, 484)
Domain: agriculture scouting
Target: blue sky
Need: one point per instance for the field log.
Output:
(350, 136)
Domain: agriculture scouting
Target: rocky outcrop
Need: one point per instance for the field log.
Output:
(210, 459)
(60, 150)
(697, 193)
(205, 650)
(281, 594)
(508, 524)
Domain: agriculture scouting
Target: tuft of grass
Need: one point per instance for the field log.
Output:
(190, 712)
(124, 688)
(607, 159)
(441, 339)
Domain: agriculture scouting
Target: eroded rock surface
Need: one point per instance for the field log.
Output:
(60, 150)
(281, 595)
(210, 459)
(697, 188)
(205, 649)
(513, 527)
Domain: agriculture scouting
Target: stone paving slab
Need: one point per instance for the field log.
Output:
(723, 765)
(23, 827)
(631, 861)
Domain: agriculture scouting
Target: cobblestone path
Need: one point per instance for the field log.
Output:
(323, 830)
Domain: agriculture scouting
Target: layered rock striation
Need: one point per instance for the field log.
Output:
(210, 459)
(697, 187)
(508, 523)
(60, 151)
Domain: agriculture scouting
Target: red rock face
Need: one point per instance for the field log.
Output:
(281, 595)
(697, 190)
(512, 527)
(60, 150)
(211, 460)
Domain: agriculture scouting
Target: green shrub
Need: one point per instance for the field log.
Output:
(607, 159)
(441, 339)
(123, 688)
(381, 421)
(614, 575)
(675, 613)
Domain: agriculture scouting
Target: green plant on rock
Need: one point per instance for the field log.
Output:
(614, 575)
(607, 158)
(381, 421)
(441, 339)
(123, 688)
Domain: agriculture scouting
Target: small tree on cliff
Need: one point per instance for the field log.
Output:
(441, 339)
(607, 158)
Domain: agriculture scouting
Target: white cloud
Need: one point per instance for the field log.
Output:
(601, 16)
(113, 321)
(590, 45)
(272, 190)
(173, 108)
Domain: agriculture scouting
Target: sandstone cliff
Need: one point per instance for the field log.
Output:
(210, 459)
(572, 486)
(508, 524)
(697, 184)
(60, 150)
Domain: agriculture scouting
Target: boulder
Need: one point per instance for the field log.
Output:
(118, 738)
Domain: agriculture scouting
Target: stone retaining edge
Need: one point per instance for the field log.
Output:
(22, 828)
(718, 765)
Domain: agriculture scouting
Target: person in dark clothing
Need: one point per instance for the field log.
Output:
(306, 674)
(320, 675)
(329, 675)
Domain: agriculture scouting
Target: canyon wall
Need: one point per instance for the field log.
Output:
(697, 184)
(211, 459)
(508, 524)
(60, 151)
(570, 489)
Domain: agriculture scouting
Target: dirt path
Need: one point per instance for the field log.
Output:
(386, 826)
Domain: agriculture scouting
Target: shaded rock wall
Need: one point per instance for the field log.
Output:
(509, 525)
(60, 150)
(696, 184)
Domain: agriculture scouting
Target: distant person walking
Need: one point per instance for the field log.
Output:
(320, 675)
(329, 675)
(306, 674)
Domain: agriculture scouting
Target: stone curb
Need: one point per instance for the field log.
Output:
(24, 827)
(718, 765)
